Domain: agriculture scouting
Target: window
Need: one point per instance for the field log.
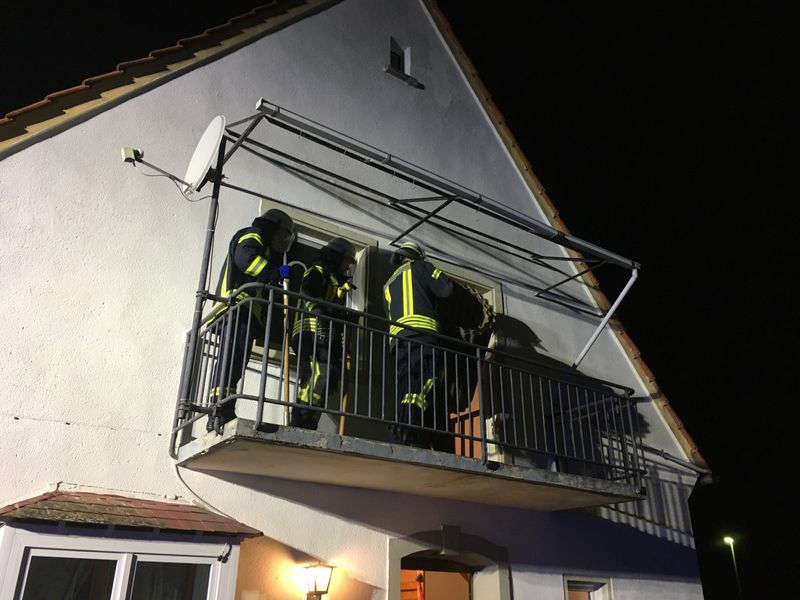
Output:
(397, 59)
(69, 578)
(43, 565)
(400, 63)
(313, 234)
(586, 588)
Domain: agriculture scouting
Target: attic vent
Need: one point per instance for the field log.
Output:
(400, 63)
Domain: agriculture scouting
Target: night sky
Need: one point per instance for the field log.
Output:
(660, 132)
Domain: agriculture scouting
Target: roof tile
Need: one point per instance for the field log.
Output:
(110, 509)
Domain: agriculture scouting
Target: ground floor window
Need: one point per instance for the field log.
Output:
(41, 565)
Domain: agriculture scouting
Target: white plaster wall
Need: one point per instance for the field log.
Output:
(99, 265)
(550, 586)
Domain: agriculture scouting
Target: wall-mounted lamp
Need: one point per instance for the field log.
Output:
(318, 578)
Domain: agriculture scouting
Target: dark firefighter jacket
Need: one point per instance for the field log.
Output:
(319, 282)
(411, 295)
(248, 261)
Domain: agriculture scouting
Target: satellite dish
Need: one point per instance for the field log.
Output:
(205, 153)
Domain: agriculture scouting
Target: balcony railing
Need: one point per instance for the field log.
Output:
(483, 404)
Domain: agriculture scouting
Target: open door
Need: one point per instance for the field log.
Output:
(434, 585)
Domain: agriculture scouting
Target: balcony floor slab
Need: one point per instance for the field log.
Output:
(304, 455)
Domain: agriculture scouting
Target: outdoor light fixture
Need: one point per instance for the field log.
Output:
(728, 540)
(318, 578)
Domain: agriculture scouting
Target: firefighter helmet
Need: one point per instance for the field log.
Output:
(279, 227)
(273, 218)
(339, 255)
(410, 250)
(341, 248)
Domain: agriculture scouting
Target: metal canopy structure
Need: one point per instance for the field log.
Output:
(433, 188)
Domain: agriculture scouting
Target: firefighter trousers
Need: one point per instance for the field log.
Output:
(420, 394)
(320, 370)
(233, 352)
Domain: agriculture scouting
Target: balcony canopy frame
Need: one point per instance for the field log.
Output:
(434, 188)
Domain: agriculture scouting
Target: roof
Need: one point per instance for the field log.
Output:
(60, 110)
(106, 509)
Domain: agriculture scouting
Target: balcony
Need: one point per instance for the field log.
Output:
(497, 429)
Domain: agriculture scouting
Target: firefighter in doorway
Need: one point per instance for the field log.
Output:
(317, 340)
(412, 294)
(255, 255)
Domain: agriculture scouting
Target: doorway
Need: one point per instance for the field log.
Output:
(435, 585)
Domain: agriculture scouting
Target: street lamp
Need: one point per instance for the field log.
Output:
(729, 541)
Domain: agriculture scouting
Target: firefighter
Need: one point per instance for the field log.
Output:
(317, 341)
(255, 255)
(412, 294)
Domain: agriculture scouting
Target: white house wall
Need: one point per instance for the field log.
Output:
(99, 266)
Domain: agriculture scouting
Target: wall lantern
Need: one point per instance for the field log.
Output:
(318, 578)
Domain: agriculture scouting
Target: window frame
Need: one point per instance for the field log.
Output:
(17, 545)
(403, 53)
(318, 229)
(476, 279)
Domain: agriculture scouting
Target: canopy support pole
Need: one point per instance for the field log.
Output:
(609, 314)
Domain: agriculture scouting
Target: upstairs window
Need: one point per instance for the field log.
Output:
(400, 63)
(397, 58)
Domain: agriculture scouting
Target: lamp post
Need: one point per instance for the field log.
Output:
(729, 541)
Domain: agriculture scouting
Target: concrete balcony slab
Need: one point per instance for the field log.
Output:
(304, 455)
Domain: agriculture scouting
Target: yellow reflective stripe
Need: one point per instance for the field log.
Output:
(258, 264)
(436, 273)
(253, 265)
(415, 399)
(388, 295)
(420, 321)
(309, 324)
(397, 271)
(306, 393)
(260, 267)
(220, 307)
(404, 267)
(223, 287)
(313, 268)
(218, 392)
(405, 294)
(251, 236)
(410, 294)
(421, 399)
(416, 321)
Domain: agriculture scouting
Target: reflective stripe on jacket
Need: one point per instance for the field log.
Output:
(411, 293)
(318, 282)
(247, 261)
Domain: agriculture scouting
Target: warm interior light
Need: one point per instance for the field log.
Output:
(318, 578)
(728, 540)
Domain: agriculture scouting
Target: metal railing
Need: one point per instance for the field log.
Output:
(478, 402)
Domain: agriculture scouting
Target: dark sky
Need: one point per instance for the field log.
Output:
(660, 132)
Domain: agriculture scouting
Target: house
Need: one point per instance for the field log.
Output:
(567, 473)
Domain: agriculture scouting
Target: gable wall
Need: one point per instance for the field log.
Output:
(102, 263)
